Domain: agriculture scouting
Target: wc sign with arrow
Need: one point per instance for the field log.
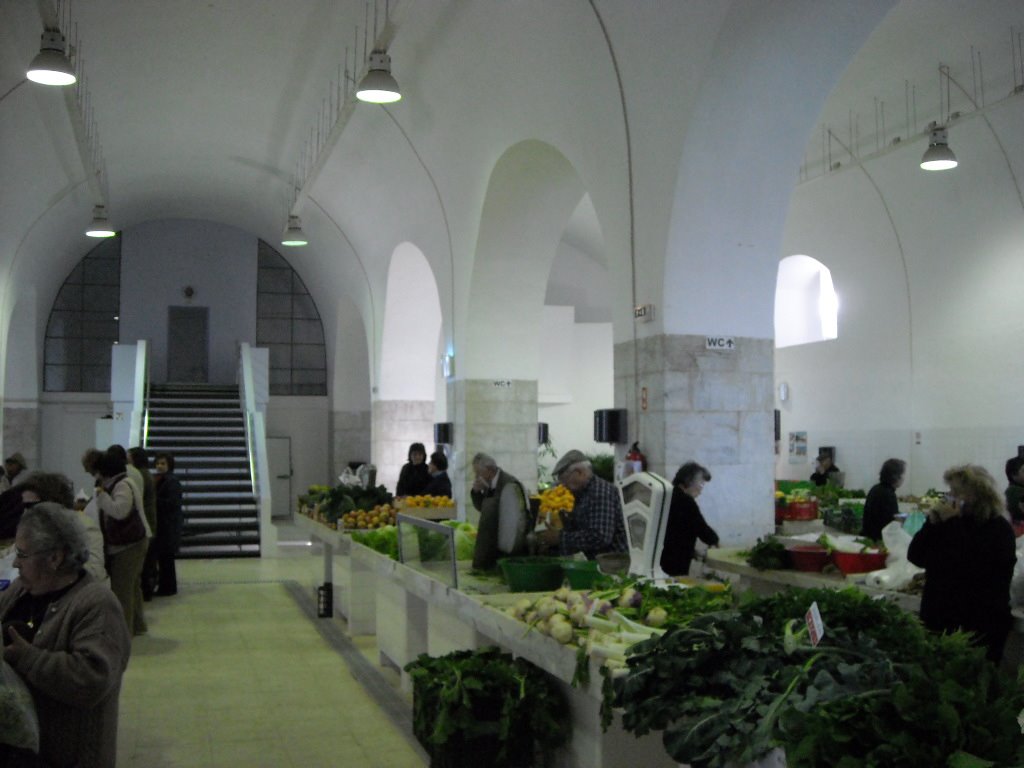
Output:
(721, 343)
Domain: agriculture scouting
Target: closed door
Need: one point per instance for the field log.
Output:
(188, 345)
(279, 463)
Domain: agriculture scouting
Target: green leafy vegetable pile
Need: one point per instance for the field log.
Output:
(383, 540)
(485, 708)
(767, 554)
(879, 690)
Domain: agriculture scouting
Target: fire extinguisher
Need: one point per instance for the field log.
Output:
(636, 459)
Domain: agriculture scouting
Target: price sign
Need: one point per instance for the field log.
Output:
(815, 626)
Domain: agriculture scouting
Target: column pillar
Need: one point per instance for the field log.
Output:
(711, 406)
(396, 425)
(498, 417)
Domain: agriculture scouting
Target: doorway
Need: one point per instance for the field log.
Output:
(188, 345)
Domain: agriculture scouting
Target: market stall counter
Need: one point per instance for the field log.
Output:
(730, 563)
(413, 611)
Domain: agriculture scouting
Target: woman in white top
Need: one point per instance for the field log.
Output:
(126, 536)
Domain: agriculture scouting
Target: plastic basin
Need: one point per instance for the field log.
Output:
(808, 557)
(801, 510)
(858, 562)
(532, 574)
(581, 574)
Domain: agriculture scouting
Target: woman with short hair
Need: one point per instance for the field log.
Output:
(685, 522)
(414, 476)
(881, 506)
(66, 636)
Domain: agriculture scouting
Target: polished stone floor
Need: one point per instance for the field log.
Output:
(237, 671)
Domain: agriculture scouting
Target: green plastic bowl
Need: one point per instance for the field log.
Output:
(581, 574)
(532, 574)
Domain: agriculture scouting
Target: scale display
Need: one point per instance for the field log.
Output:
(645, 502)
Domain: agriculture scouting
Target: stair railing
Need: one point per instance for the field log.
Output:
(253, 390)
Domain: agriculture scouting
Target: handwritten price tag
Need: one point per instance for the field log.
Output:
(815, 626)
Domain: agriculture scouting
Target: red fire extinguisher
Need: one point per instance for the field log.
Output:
(636, 459)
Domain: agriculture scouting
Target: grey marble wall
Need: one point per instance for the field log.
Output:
(711, 406)
(396, 425)
(21, 433)
(495, 417)
(350, 439)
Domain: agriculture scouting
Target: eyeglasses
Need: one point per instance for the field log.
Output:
(20, 554)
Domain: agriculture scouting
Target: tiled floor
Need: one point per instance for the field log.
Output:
(234, 672)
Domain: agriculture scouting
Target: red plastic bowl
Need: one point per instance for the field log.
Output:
(858, 562)
(808, 557)
(801, 510)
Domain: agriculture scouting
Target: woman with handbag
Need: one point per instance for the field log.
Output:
(126, 535)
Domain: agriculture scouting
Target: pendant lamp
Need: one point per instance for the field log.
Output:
(938, 156)
(100, 225)
(51, 65)
(293, 235)
(378, 86)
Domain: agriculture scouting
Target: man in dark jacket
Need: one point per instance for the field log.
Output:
(504, 514)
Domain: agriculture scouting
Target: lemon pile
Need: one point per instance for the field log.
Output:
(429, 501)
(378, 517)
(554, 502)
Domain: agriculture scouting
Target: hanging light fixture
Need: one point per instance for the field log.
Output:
(938, 156)
(378, 86)
(51, 65)
(293, 234)
(100, 226)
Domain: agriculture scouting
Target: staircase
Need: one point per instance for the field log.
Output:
(203, 427)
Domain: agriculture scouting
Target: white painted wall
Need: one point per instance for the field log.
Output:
(160, 258)
(924, 368)
(306, 421)
(576, 379)
(68, 427)
(412, 325)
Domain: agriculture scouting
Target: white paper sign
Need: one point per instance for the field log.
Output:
(815, 626)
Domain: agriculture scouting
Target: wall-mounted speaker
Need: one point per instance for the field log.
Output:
(828, 450)
(542, 433)
(1020, 451)
(610, 425)
(778, 425)
(443, 433)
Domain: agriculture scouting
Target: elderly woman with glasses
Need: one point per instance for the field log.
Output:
(65, 634)
(685, 522)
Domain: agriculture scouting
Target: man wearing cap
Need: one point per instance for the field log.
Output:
(595, 524)
(826, 470)
(14, 465)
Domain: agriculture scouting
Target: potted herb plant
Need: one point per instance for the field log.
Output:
(484, 707)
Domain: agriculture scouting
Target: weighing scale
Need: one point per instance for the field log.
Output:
(646, 498)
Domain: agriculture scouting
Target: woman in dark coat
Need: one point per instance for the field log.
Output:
(881, 506)
(414, 476)
(967, 550)
(440, 484)
(168, 524)
(685, 522)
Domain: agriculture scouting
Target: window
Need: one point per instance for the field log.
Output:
(806, 305)
(288, 324)
(83, 323)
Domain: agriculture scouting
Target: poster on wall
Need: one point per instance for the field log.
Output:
(797, 447)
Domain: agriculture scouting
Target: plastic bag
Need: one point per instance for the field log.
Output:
(348, 477)
(898, 571)
(19, 725)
